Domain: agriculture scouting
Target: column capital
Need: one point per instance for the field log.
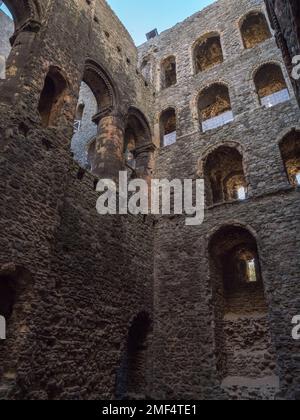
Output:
(145, 148)
(106, 112)
(30, 25)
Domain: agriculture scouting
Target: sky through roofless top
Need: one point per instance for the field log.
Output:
(141, 16)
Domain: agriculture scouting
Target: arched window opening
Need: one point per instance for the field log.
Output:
(137, 140)
(168, 73)
(208, 53)
(85, 128)
(78, 117)
(7, 30)
(130, 146)
(290, 152)
(224, 176)
(255, 29)
(271, 86)
(146, 69)
(96, 98)
(90, 153)
(7, 297)
(52, 97)
(168, 127)
(101, 85)
(214, 107)
(235, 185)
(242, 331)
(15, 297)
(131, 377)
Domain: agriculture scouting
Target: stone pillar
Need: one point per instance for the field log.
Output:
(144, 156)
(108, 158)
(22, 42)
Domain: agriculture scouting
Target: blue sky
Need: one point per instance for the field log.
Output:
(141, 16)
(3, 7)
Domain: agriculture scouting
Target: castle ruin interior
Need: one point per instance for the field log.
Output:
(144, 307)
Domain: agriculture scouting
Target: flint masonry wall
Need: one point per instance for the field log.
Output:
(184, 302)
(91, 276)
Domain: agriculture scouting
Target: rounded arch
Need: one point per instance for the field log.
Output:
(16, 298)
(214, 106)
(254, 28)
(238, 295)
(24, 11)
(196, 95)
(139, 121)
(207, 51)
(168, 68)
(283, 133)
(52, 98)
(224, 175)
(289, 147)
(137, 142)
(261, 64)
(210, 149)
(146, 67)
(102, 86)
(218, 230)
(131, 376)
(168, 126)
(207, 86)
(269, 80)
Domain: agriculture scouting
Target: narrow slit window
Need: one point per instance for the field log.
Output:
(251, 271)
(241, 193)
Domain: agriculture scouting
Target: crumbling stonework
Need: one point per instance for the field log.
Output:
(104, 307)
(285, 19)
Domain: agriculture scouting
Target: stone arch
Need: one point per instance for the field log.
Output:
(242, 331)
(99, 95)
(52, 97)
(270, 84)
(224, 174)
(290, 153)
(102, 86)
(18, 40)
(85, 127)
(168, 126)
(214, 106)
(254, 28)
(137, 141)
(27, 14)
(131, 377)
(207, 52)
(16, 289)
(146, 68)
(168, 72)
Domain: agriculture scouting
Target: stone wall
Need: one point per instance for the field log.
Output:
(90, 276)
(285, 19)
(185, 305)
(131, 306)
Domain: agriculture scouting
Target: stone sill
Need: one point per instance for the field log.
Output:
(286, 190)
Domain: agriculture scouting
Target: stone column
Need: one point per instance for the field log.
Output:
(144, 156)
(108, 158)
(22, 43)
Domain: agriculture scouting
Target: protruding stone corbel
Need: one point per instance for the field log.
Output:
(109, 111)
(30, 25)
(145, 148)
